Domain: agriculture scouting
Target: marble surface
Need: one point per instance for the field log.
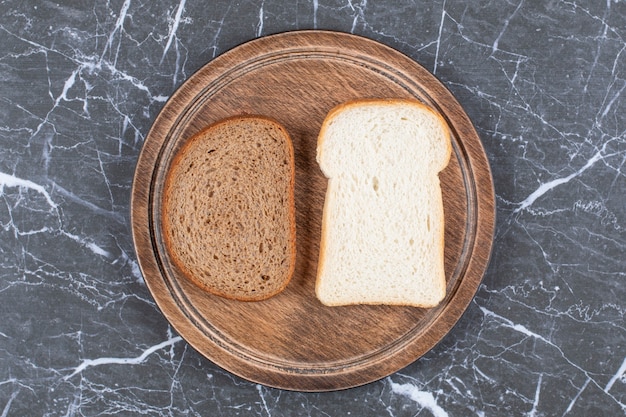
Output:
(543, 82)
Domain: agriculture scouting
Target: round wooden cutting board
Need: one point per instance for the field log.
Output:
(292, 341)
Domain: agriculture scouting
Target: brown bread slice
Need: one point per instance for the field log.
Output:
(228, 213)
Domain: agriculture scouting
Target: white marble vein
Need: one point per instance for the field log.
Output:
(117, 29)
(93, 247)
(505, 26)
(612, 101)
(533, 412)
(358, 11)
(9, 180)
(261, 21)
(173, 28)
(437, 42)
(261, 390)
(619, 375)
(7, 406)
(88, 363)
(547, 186)
(422, 398)
(99, 211)
(573, 402)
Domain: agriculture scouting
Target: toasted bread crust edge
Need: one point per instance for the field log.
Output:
(324, 230)
(290, 201)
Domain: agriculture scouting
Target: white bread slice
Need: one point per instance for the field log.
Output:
(383, 222)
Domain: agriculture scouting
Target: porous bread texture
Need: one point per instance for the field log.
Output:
(383, 221)
(228, 209)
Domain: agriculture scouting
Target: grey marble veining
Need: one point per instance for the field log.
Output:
(544, 84)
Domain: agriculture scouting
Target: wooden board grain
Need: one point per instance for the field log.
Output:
(292, 341)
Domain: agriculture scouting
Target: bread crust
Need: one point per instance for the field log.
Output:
(290, 204)
(329, 194)
(378, 101)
